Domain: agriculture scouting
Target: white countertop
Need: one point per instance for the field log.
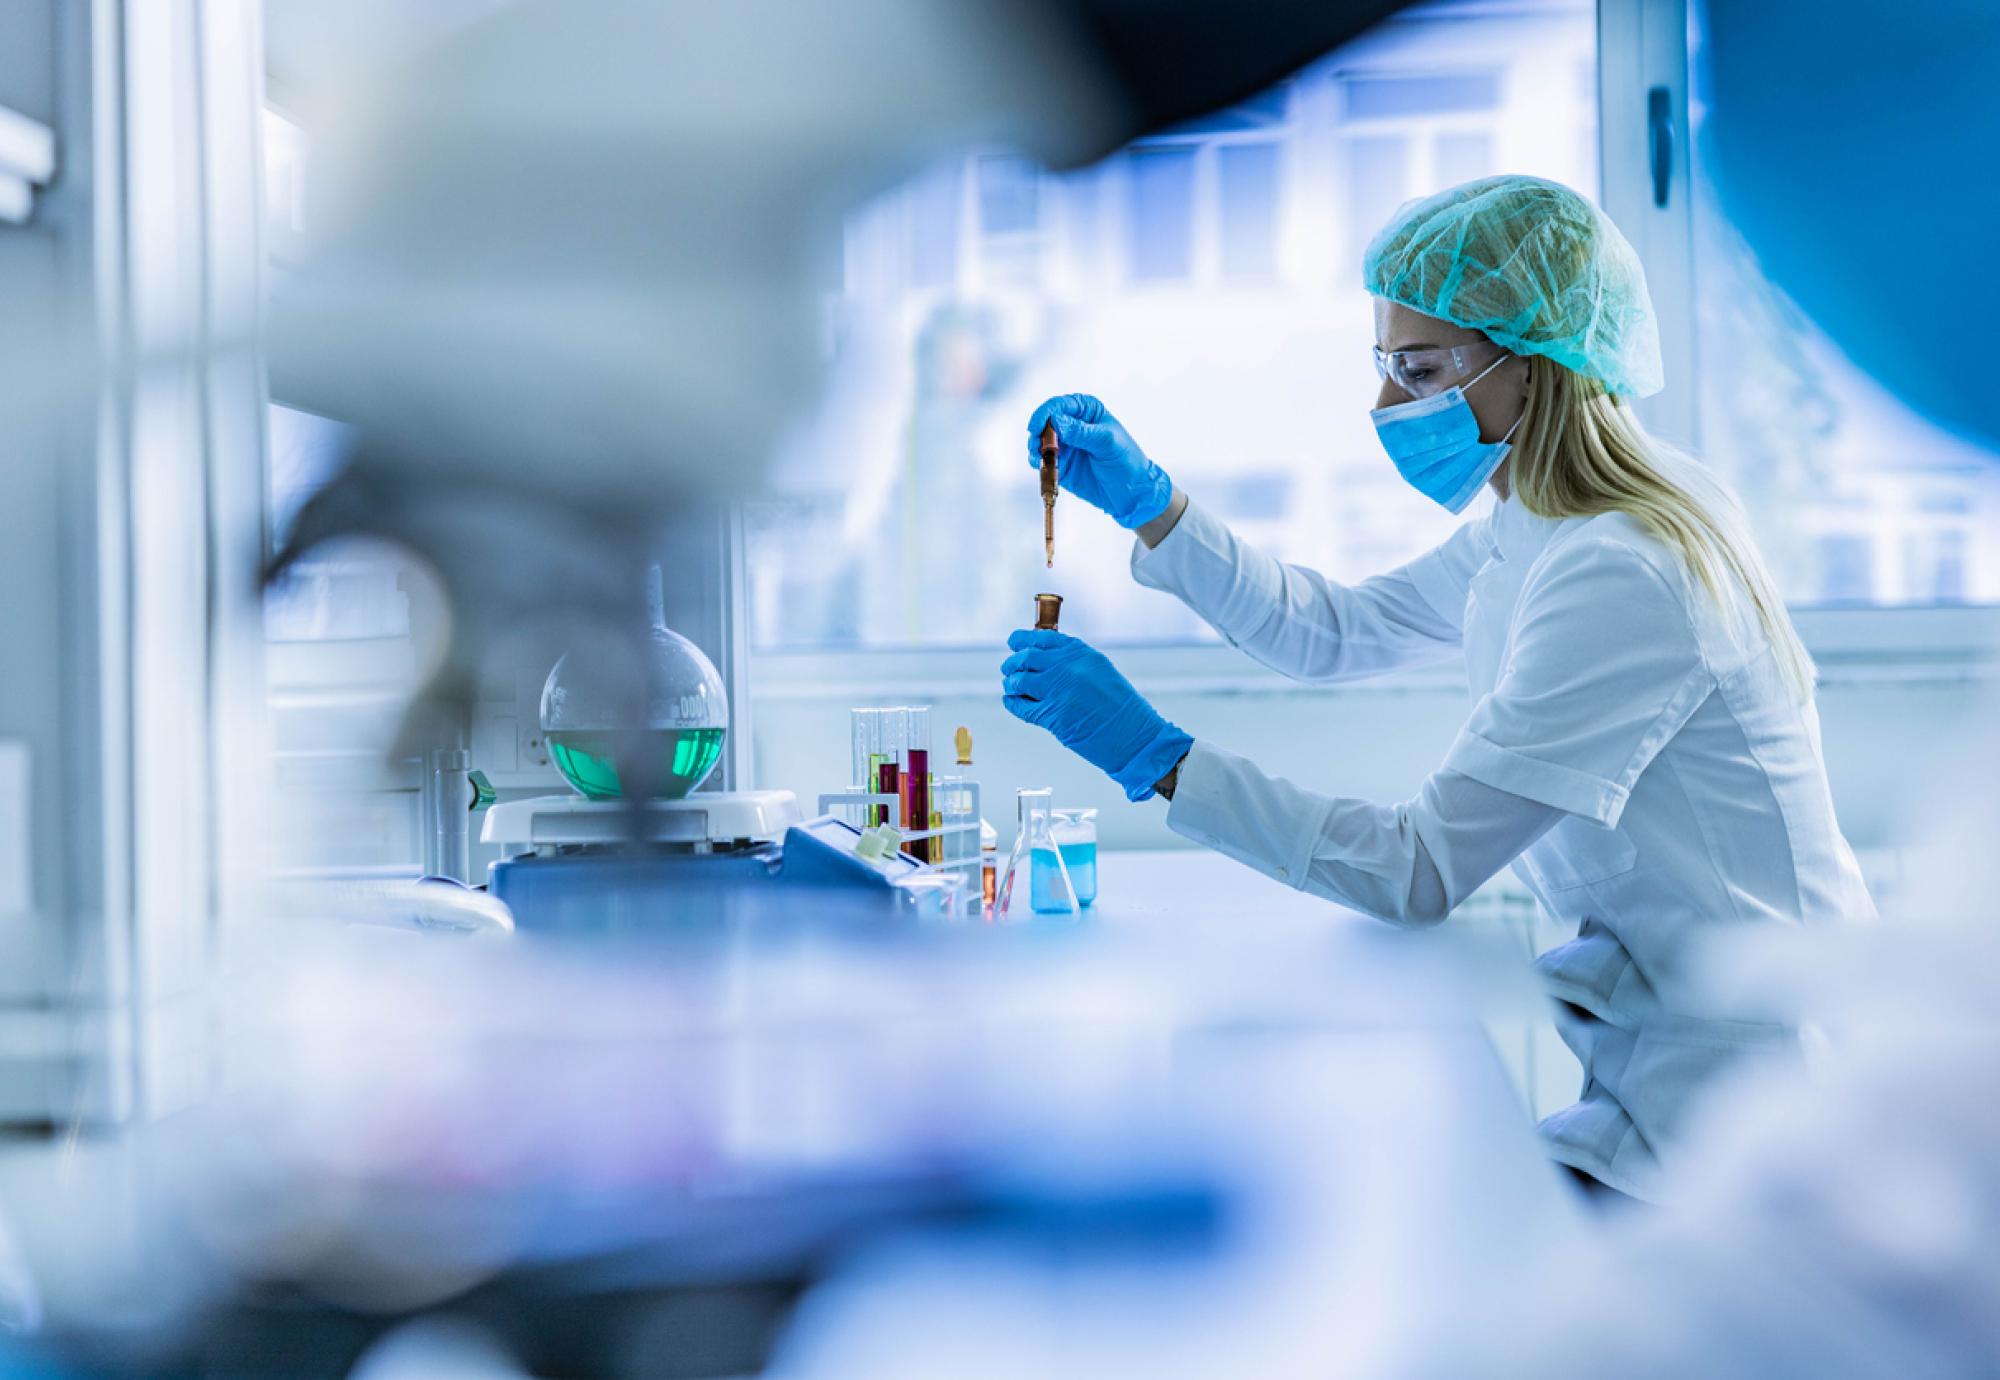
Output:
(1138, 885)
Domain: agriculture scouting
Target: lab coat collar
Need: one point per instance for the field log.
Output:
(1519, 535)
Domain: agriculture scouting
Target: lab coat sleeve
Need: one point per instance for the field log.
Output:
(1408, 864)
(1302, 624)
(1603, 667)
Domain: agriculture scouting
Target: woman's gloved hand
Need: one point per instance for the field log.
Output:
(1072, 689)
(1099, 462)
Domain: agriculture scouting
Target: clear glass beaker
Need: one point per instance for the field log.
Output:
(934, 895)
(1075, 835)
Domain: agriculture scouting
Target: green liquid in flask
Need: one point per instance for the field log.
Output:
(678, 758)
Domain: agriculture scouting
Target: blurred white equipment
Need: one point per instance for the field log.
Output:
(433, 903)
(27, 161)
(711, 863)
(706, 821)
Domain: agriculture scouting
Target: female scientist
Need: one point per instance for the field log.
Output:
(1643, 746)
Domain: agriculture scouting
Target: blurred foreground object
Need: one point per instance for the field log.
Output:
(1883, 125)
(27, 161)
(565, 267)
(628, 1158)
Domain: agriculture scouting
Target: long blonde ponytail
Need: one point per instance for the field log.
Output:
(1581, 452)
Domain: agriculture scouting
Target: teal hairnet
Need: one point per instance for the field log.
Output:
(1533, 265)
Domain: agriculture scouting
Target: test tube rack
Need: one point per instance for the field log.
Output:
(958, 835)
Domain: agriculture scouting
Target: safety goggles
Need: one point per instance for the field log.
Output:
(1426, 373)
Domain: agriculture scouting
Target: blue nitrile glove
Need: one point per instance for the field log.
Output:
(1099, 462)
(1072, 689)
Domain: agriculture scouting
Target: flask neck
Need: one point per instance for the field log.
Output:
(656, 596)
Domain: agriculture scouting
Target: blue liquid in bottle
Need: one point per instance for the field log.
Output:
(1045, 889)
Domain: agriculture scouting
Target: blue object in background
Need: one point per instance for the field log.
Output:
(1852, 145)
(814, 879)
(1162, 222)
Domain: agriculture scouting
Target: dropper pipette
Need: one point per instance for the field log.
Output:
(1048, 448)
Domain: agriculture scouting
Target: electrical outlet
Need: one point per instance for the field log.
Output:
(496, 743)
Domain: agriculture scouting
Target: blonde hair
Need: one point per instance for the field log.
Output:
(1580, 452)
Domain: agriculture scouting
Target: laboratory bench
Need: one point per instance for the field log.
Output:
(1211, 1078)
(1195, 891)
(1137, 885)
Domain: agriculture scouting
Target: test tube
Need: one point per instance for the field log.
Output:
(917, 777)
(889, 775)
(872, 782)
(860, 774)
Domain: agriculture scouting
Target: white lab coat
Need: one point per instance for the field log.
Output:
(1634, 751)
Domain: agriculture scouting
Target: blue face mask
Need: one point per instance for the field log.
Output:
(1435, 444)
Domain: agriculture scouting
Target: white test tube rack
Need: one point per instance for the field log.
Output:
(965, 829)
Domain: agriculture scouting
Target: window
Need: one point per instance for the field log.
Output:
(1846, 568)
(1463, 156)
(1248, 210)
(1376, 97)
(933, 211)
(1160, 223)
(1204, 283)
(1378, 181)
(1010, 219)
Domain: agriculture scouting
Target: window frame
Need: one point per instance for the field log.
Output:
(1205, 268)
(1642, 45)
(1916, 645)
